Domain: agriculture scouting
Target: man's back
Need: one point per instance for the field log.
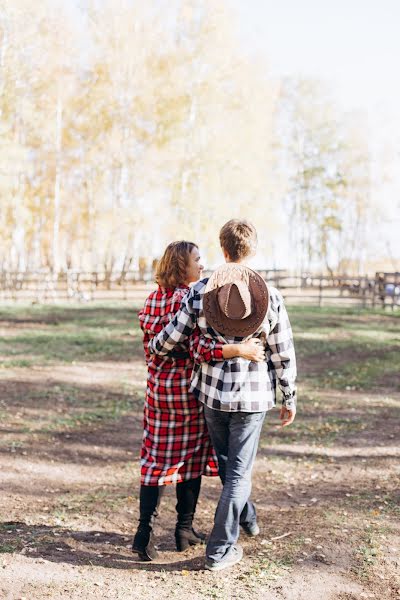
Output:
(238, 384)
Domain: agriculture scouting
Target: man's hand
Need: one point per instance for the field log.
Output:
(252, 349)
(286, 416)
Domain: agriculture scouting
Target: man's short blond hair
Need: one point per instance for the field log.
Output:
(238, 238)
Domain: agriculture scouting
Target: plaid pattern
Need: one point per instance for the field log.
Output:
(176, 445)
(236, 384)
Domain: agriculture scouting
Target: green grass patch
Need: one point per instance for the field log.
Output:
(86, 410)
(7, 548)
(93, 315)
(55, 346)
(11, 445)
(372, 373)
(374, 501)
(268, 569)
(101, 500)
(366, 555)
(9, 538)
(322, 430)
(328, 318)
(48, 334)
(104, 411)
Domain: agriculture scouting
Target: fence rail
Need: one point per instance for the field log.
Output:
(78, 286)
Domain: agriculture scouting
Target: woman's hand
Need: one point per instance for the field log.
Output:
(252, 349)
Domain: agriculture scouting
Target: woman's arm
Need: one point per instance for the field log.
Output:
(204, 349)
(251, 349)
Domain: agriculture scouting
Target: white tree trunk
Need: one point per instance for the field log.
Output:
(57, 189)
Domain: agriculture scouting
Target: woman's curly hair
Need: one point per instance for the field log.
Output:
(172, 266)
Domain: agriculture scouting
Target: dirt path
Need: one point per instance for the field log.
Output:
(327, 494)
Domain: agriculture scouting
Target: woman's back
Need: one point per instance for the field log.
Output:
(159, 309)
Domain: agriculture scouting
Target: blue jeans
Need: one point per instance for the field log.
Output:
(235, 438)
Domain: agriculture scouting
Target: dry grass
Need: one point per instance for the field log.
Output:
(326, 489)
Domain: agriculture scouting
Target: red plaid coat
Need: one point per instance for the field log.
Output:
(176, 445)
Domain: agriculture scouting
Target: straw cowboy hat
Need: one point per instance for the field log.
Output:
(235, 300)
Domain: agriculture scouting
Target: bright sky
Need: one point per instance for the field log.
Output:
(354, 46)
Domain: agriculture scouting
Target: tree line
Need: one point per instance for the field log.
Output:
(126, 124)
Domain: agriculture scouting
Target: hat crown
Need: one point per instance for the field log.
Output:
(234, 300)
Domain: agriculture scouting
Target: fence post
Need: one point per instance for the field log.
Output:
(125, 288)
(320, 292)
(364, 293)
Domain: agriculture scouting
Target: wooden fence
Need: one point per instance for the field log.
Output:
(321, 290)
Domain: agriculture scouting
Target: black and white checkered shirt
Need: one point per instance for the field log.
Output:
(236, 384)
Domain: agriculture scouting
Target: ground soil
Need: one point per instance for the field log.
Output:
(327, 497)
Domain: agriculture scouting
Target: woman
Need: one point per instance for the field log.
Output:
(176, 447)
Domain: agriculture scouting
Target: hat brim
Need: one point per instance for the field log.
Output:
(238, 327)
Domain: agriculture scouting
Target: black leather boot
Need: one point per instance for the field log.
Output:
(143, 542)
(188, 537)
(187, 494)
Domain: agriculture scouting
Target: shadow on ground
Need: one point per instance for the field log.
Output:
(94, 548)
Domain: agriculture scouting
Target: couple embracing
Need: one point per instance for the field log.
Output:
(215, 352)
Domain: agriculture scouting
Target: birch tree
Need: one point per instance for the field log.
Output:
(327, 187)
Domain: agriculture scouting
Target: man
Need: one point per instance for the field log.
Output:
(233, 305)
